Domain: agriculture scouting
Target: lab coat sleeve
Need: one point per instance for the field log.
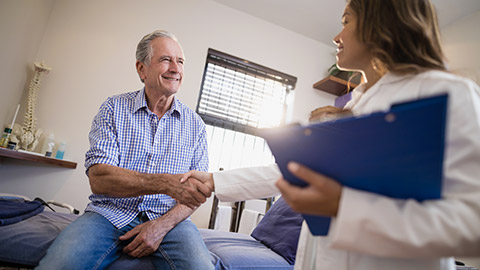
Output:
(246, 183)
(376, 225)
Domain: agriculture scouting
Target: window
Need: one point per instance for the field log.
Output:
(237, 98)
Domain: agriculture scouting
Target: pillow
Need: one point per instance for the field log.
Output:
(279, 230)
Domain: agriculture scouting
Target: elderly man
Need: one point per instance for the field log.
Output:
(140, 145)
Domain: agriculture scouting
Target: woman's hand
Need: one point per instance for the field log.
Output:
(321, 197)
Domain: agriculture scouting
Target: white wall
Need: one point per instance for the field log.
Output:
(461, 44)
(90, 46)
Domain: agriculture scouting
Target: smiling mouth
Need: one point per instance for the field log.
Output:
(171, 79)
(339, 50)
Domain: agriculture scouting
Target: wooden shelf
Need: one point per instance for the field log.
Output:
(12, 154)
(333, 85)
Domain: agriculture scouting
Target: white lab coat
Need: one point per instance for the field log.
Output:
(376, 232)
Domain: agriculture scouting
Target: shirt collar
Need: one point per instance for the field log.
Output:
(176, 109)
(360, 93)
(141, 102)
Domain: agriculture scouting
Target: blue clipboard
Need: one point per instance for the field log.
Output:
(398, 153)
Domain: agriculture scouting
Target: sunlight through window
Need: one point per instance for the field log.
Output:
(237, 98)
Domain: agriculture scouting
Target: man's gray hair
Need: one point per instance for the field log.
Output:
(144, 50)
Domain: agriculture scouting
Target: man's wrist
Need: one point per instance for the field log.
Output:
(163, 184)
(174, 216)
(166, 221)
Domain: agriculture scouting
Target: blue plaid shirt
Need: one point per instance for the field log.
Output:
(125, 133)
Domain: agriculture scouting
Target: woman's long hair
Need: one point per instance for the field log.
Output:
(402, 34)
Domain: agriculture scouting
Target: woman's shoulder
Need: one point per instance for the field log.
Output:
(462, 91)
(437, 82)
(444, 77)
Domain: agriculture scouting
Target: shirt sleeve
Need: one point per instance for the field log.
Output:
(103, 138)
(200, 155)
(377, 225)
(247, 183)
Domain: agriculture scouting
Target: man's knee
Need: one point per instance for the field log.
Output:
(81, 245)
(185, 247)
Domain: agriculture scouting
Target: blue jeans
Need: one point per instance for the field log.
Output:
(91, 242)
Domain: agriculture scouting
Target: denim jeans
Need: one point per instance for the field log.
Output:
(91, 242)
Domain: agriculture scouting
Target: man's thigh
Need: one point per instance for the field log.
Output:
(90, 242)
(183, 248)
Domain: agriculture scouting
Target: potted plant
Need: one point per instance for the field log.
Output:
(345, 75)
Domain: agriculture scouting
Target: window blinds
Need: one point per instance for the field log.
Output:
(242, 96)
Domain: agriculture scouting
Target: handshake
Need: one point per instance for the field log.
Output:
(193, 188)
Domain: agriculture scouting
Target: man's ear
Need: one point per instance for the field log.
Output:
(140, 69)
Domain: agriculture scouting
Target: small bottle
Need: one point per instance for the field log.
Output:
(12, 145)
(49, 151)
(61, 150)
(5, 137)
(48, 140)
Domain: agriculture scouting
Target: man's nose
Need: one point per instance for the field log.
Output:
(175, 67)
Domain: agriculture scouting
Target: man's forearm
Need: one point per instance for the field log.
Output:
(119, 182)
(177, 214)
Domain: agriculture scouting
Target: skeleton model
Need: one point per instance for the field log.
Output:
(28, 135)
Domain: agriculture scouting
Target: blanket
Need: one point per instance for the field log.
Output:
(13, 211)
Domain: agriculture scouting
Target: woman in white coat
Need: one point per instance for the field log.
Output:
(395, 45)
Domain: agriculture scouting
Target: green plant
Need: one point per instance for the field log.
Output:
(335, 71)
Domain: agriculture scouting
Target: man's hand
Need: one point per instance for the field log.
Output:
(203, 177)
(191, 193)
(321, 197)
(149, 236)
(327, 113)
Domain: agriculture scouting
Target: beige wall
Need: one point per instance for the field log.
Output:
(90, 46)
(462, 46)
(22, 25)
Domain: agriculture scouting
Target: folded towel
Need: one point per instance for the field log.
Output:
(15, 211)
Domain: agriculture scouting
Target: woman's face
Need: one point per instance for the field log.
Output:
(352, 54)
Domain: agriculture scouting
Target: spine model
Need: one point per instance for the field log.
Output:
(30, 135)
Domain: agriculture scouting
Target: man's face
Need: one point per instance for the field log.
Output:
(165, 72)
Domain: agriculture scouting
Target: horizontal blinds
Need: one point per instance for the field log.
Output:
(242, 99)
(256, 70)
